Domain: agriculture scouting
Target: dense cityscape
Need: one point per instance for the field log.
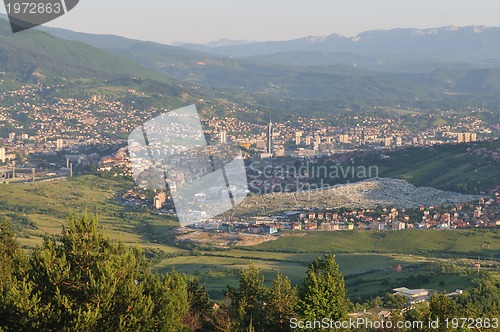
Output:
(62, 131)
(69, 124)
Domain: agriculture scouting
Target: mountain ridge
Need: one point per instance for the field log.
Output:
(338, 78)
(443, 41)
(453, 84)
(318, 38)
(33, 50)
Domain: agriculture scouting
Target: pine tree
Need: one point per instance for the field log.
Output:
(200, 307)
(440, 308)
(12, 267)
(249, 300)
(222, 318)
(281, 304)
(323, 293)
(86, 282)
(9, 253)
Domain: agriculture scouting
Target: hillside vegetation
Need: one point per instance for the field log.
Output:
(32, 51)
(37, 209)
(464, 168)
(446, 242)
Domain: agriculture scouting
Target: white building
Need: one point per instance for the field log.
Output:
(59, 144)
(223, 137)
(398, 226)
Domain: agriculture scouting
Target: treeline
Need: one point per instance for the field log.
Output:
(83, 281)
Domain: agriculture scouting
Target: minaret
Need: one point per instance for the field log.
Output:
(270, 137)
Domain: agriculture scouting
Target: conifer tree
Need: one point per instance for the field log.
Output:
(86, 282)
(200, 308)
(9, 252)
(323, 293)
(249, 300)
(281, 304)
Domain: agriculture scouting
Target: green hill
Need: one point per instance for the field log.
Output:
(452, 242)
(82, 71)
(37, 209)
(440, 84)
(32, 51)
(464, 167)
(469, 168)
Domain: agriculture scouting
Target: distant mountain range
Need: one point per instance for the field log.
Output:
(314, 75)
(398, 50)
(447, 67)
(464, 44)
(220, 43)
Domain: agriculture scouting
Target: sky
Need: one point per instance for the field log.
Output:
(202, 21)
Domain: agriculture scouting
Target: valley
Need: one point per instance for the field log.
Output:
(389, 161)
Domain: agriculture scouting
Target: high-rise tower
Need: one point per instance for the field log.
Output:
(223, 137)
(270, 132)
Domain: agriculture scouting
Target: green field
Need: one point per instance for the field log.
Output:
(366, 275)
(440, 242)
(37, 209)
(366, 258)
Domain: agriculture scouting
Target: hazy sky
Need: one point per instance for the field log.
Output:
(169, 21)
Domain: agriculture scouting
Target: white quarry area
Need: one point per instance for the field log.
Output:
(366, 194)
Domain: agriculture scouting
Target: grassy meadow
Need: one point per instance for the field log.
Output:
(366, 275)
(440, 260)
(440, 242)
(41, 208)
